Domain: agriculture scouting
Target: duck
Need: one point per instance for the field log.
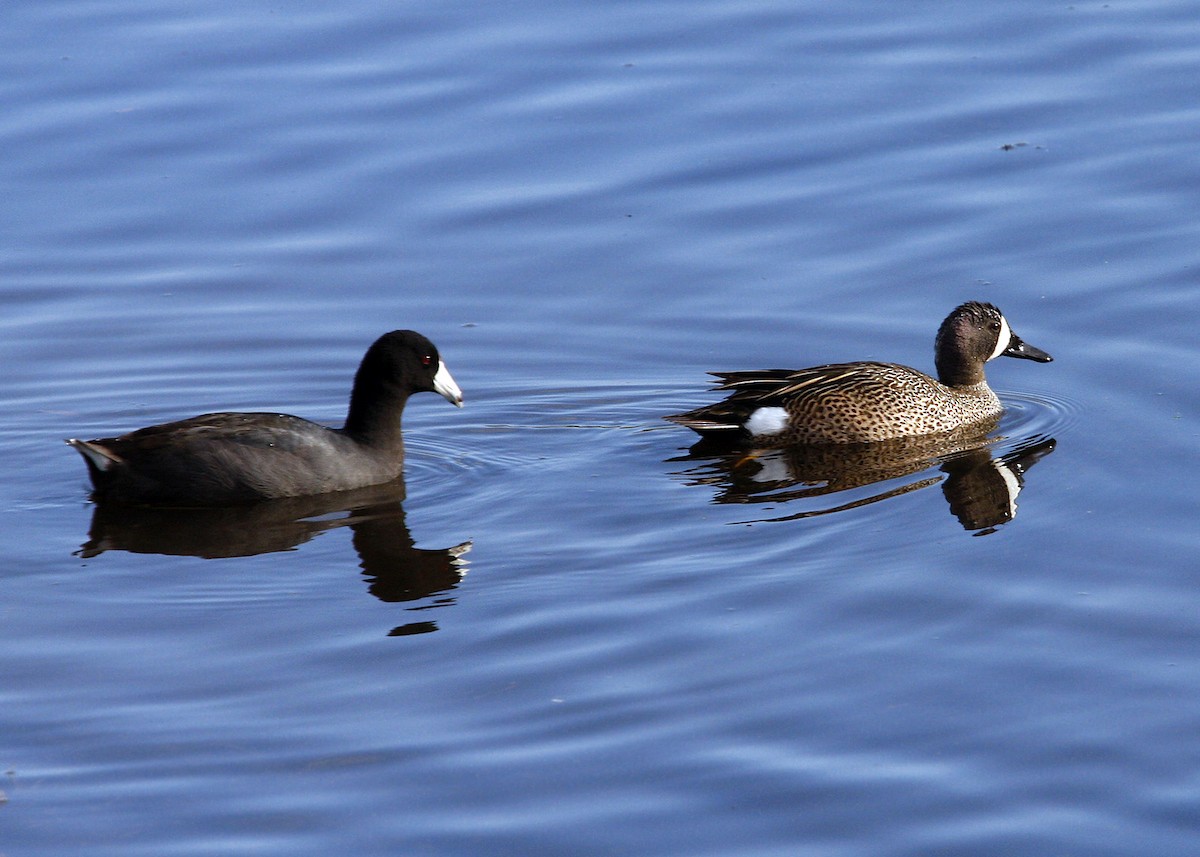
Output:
(867, 401)
(223, 459)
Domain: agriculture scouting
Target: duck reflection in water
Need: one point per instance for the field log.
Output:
(979, 483)
(394, 568)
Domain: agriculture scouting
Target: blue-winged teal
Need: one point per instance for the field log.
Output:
(228, 458)
(868, 402)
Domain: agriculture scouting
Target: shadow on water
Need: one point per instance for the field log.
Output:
(396, 571)
(981, 487)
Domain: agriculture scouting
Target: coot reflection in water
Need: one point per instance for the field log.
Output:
(981, 487)
(395, 569)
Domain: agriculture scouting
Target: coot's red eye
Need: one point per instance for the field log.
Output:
(427, 360)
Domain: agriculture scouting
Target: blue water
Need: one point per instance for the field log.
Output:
(571, 636)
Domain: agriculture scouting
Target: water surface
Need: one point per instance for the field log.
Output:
(564, 633)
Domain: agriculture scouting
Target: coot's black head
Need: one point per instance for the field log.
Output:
(405, 362)
(973, 334)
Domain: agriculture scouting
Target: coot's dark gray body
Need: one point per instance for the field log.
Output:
(229, 458)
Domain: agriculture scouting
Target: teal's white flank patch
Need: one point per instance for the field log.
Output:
(767, 421)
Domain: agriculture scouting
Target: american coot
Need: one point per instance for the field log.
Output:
(868, 402)
(229, 458)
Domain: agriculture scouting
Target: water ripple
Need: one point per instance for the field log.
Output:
(1047, 414)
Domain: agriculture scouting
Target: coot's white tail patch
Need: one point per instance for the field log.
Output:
(100, 457)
